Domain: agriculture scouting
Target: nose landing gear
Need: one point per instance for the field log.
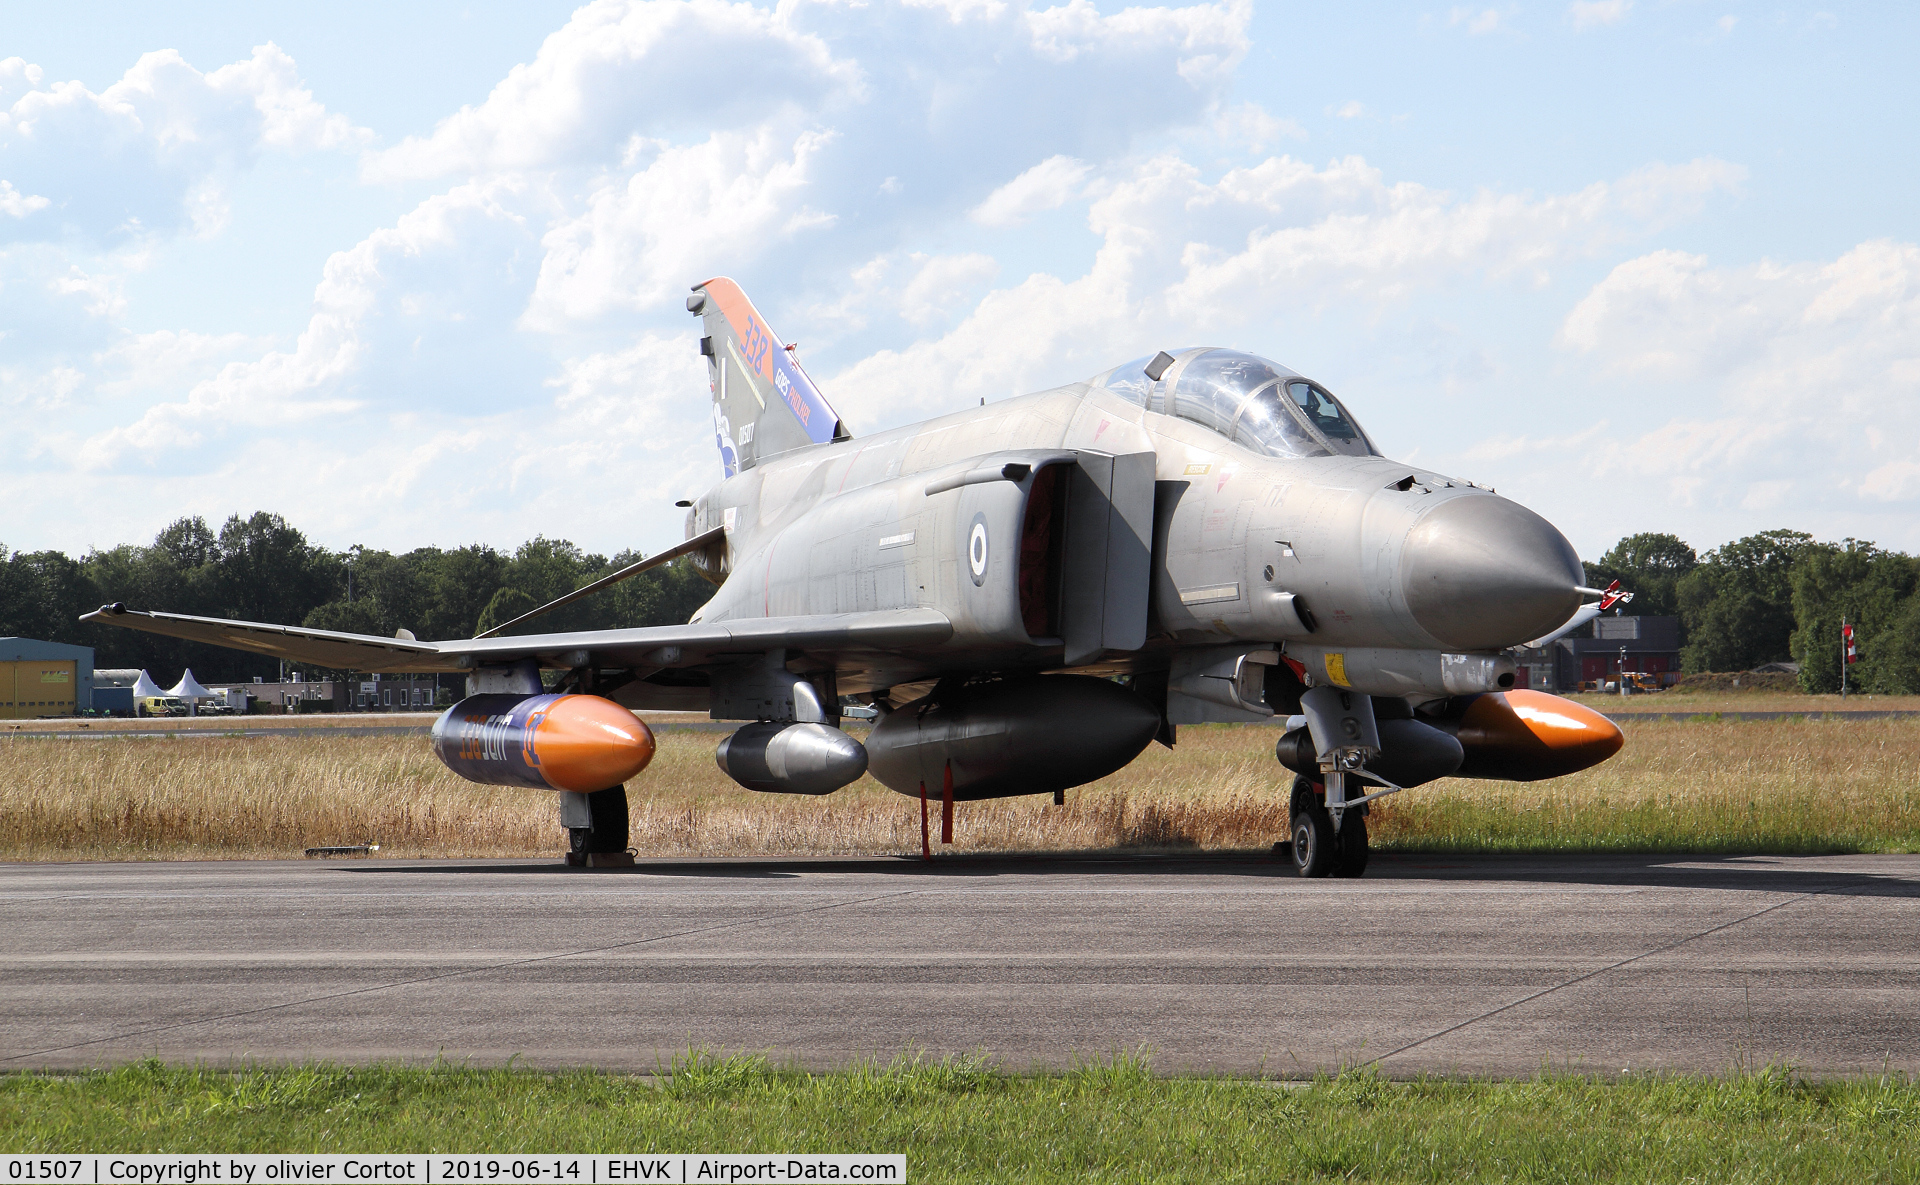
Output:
(1317, 847)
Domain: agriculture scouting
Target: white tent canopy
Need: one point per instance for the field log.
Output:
(189, 688)
(144, 687)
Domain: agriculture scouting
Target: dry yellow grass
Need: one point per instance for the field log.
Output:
(1761, 786)
(1776, 786)
(1686, 703)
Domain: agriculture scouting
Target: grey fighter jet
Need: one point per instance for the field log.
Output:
(1027, 595)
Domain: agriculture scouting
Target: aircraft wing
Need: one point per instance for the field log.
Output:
(889, 630)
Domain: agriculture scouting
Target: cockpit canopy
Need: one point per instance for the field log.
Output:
(1247, 399)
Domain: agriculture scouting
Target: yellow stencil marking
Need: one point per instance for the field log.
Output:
(1337, 669)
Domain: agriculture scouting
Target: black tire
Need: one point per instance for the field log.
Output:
(608, 810)
(1314, 847)
(1303, 797)
(1351, 857)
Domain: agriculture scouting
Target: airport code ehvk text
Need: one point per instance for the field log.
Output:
(443, 1169)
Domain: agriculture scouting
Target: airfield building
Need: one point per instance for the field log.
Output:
(44, 678)
(1651, 647)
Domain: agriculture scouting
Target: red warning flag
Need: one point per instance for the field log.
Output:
(1846, 637)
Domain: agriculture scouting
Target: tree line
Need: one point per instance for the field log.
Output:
(1777, 595)
(259, 568)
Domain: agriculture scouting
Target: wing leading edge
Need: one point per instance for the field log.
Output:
(889, 631)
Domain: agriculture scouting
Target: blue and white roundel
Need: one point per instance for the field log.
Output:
(977, 549)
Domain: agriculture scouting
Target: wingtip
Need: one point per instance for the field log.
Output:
(116, 609)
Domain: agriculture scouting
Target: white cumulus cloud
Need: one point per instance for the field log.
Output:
(692, 213)
(1593, 14)
(1477, 22)
(18, 205)
(150, 153)
(1185, 257)
(1048, 185)
(1817, 365)
(621, 70)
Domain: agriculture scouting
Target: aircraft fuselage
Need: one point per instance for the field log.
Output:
(1329, 554)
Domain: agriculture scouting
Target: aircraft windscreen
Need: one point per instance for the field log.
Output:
(1323, 413)
(1130, 381)
(1266, 426)
(1256, 403)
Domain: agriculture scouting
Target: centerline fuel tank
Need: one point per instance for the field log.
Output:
(580, 743)
(1032, 735)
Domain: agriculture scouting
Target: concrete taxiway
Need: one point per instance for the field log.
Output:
(1483, 964)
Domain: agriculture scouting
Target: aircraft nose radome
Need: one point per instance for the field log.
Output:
(586, 743)
(1481, 573)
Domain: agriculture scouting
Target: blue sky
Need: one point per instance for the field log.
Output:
(413, 274)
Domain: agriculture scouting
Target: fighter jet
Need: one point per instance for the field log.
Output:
(1024, 596)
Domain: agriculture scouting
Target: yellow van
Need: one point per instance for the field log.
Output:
(160, 705)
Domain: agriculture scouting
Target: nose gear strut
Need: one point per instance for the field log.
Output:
(1329, 830)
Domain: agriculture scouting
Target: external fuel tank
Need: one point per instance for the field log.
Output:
(1031, 735)
(580, 743)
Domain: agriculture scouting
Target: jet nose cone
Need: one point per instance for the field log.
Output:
(1482, 573)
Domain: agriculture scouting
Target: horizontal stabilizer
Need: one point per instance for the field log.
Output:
(699, 542)
(1581, 616)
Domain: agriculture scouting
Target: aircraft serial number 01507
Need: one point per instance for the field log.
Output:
(1029, 594)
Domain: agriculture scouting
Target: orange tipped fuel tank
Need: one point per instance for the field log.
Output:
(1525, 736)
(548, 742)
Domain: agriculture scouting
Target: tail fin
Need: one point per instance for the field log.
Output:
(763, 402)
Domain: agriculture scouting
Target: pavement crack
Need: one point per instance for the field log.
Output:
(1548, 991)
(418, 979)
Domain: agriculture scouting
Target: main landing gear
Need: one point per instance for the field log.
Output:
(596, 826)
(1317, 848)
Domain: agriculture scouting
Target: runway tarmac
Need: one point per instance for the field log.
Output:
(1463, 964)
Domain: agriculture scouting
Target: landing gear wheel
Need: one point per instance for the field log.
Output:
(1351, 858)
(1304, 796)
(1314, 847)
(607, 834)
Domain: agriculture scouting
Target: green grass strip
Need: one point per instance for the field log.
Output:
(965, 1120)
